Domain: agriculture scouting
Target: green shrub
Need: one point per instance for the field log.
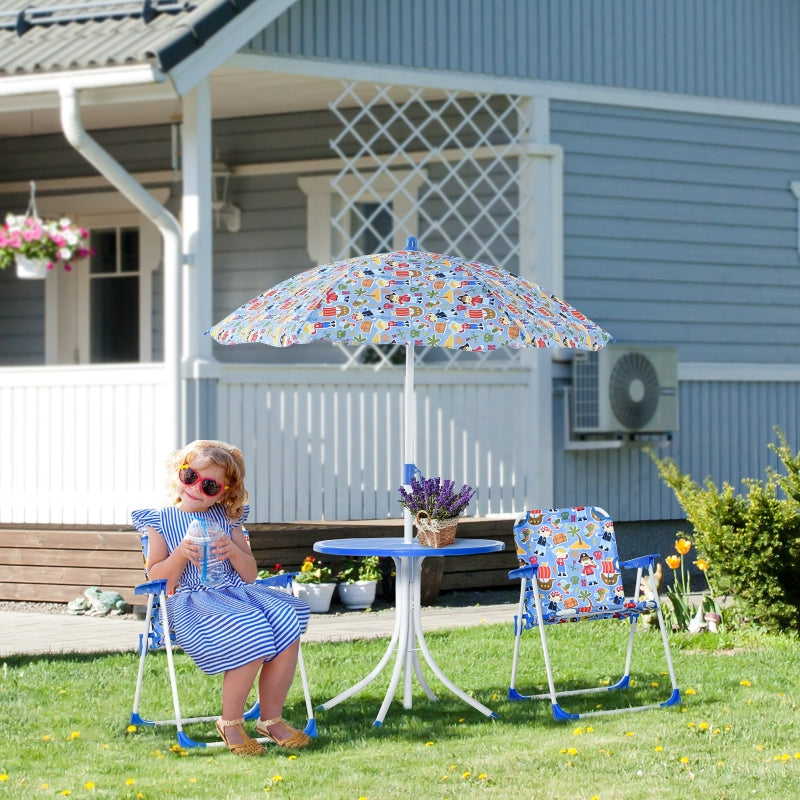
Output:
(751, 541)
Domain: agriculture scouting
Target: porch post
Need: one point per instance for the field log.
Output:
(200, 368)
(540, 262)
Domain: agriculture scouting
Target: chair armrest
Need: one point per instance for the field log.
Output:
(151, 587)
(642, 561)
(527, 571)
(277, 581)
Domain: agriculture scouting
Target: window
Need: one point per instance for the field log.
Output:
(102, 311)
(114, 296)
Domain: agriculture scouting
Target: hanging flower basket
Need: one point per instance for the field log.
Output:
(36, 245)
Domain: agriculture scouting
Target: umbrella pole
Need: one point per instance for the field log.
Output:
(408, 446)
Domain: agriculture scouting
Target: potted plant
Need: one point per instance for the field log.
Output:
(358, 581)
(435, 505)
(314, 583)
(37, 245)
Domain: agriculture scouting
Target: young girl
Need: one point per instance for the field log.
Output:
(237, 627)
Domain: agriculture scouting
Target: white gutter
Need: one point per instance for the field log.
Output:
(111, 78)
(170, 229)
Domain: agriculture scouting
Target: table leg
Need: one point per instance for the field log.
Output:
(372, 675)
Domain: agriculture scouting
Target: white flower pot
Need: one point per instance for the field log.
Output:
(317, 595)
(360, 594)
(30, 268)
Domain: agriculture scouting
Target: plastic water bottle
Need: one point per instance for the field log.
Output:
(205, 533)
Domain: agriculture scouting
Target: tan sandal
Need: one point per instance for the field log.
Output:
(295, 738)
(247, 747)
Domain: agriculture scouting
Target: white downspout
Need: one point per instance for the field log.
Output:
(171, 233)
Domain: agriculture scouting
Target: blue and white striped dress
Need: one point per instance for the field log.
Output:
(226, 626)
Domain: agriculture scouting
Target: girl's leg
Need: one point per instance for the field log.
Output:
(273, 686)
(275, 681)
(236, 686)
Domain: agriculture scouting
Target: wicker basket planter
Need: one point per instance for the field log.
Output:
(435, 532)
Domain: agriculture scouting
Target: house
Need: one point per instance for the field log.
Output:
(642, 160)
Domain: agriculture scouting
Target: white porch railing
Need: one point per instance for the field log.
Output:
(326, 444)
(80, 445)
(85, 445)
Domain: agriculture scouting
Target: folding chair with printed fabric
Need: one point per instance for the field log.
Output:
(570, 573)
(158, 635)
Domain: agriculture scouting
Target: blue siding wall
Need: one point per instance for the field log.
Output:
(725, 431)
(740, 49)
(682, 229)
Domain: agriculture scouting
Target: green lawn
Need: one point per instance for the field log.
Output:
(63, 726)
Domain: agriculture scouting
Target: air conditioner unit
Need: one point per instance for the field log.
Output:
(625, 388)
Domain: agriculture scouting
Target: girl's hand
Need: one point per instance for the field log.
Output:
(190, 551)
(222, 548)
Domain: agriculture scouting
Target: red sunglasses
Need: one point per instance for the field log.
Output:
(189, 477)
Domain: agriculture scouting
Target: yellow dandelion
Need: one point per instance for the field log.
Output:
(47, 738)
(589, 729)
(139, 796)
(65, 792)
(3, 776)
(577, 731)
(466, 774)
(654, 684)
(720, 763)
(192, 780)
(659, 748)
(690, 692)
(629, 733)
(684, 759)
(759, 747)
(129, 781)
(88, 785)
(572, 751)
(495, 696)
(428, 744)
(131, 729)
(276, 778)
(703, 726)
(105, 747)
(292, 757)
(744, 682)
(454, 766)
(563, 751)
(74, 735)
(483, 776)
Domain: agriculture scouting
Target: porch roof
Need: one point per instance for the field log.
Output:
(49, 36)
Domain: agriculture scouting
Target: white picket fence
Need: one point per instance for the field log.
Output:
(86, 445)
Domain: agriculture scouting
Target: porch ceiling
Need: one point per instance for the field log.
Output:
(235, 93)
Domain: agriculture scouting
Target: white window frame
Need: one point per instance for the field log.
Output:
(323, 200)
(67, 293)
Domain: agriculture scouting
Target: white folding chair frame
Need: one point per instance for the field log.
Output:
(644, 566)
(158, 634)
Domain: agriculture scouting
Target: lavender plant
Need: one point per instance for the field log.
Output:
(436, 496)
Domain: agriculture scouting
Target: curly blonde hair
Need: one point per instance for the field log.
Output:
(222, 454)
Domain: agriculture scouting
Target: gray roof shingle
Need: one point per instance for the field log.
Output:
(48, 37)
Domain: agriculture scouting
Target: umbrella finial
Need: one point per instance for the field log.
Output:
(411, 243)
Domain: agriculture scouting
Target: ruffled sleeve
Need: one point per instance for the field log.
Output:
(146, 518)
(243, 518)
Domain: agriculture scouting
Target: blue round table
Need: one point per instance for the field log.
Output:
(408, 558)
